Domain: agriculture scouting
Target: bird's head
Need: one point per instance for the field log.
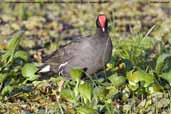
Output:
(102, 22)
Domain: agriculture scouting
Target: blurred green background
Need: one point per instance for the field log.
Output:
(46, 22)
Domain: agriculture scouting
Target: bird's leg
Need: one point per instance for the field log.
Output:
(60, 84)
(61, 72)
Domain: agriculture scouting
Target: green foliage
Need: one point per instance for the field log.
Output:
(132, 63)
(167, 76)
(76, 74)
(11, 49)
(139, 75)
(15, 70)
(21, 55)
(68, 95)
(134, 48)
(86, 110)
(136, 76)
(6, 90)
(116, 80)
(85, 91)
(28, 71)
(163, 63)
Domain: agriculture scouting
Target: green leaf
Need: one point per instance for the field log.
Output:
(117, 80)
(22, 55)
(146, 42)
(6, 56)
(99, 92)
(85, 91)
(12, 46)
(29, 70)
(134, 77)
(14, 42)
(167, 76)
(76, 74)
(86, 110)
(155, 88)
(67, 94)
(111, 91)
(6, 90)
(3, 77)
(161, 62)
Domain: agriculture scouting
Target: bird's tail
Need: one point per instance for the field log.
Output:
(45, 68)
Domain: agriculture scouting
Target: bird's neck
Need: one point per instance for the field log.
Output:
(101, 34)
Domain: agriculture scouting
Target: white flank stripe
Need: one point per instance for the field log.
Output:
(62, 65)
(60, 68)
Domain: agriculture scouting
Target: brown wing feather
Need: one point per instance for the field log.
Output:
(58, 57)
(61, 55)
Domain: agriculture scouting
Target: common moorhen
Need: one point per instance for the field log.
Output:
(90, 53)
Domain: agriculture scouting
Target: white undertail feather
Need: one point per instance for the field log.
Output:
(45, 69)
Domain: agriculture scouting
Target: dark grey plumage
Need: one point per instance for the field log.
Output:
(90, 53)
